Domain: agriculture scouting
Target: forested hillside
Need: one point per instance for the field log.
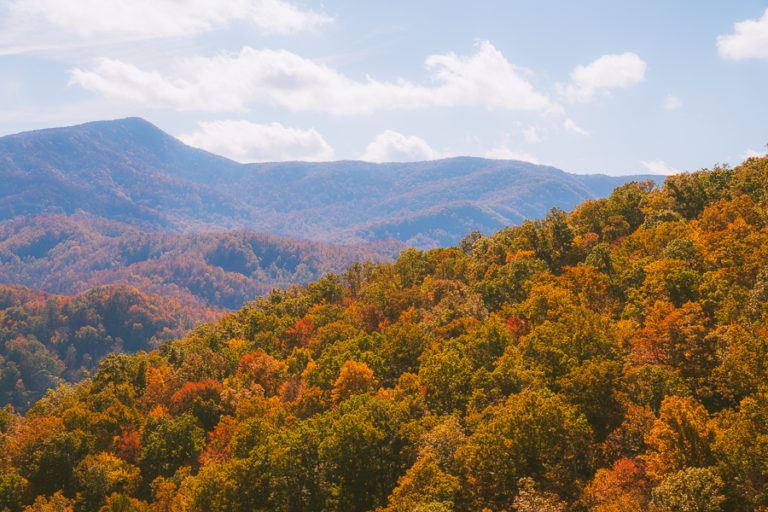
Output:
(607, 359)
(207, 272)
(48, 339)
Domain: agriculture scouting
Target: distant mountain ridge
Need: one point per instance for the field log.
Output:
(206, 272)
(132, 172)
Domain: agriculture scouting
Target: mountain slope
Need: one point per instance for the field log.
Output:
(130, 171)
(127, 170)
(609, 359)
(48, 339)
(205, 271)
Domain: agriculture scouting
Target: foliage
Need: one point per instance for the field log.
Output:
(606, 360)
(49, 339)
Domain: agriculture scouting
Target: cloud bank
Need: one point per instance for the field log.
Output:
(44, 21)
(658, 167)
(392, 146)
(245, 141)
(233, 82)
(505, 153)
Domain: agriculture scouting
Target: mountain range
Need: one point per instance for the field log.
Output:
(132, 172)
(115, 236)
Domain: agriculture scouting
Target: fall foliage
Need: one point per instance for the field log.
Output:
(610, 359)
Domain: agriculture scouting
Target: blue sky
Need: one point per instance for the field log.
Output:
(588, 86)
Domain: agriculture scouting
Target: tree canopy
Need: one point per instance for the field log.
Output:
(607, 359)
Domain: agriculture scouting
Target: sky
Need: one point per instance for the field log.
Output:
(609, 86)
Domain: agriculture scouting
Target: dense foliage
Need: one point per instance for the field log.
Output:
(49, 339)
(610, 359)
(204, 271)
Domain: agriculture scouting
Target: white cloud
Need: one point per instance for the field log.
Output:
(504, 153)
(672, 102)
(572, 127)
(612, 71)
(659, 167)
(534, 135)
(391, 146)
(41, 22)
(249, 142)
(232, 82)
(485, 78)
(752, 153)
(748, 41)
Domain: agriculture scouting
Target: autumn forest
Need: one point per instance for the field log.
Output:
(606, 359)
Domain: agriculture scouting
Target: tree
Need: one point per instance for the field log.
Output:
(681, 437)
(400, 349)
(689, 490)
(49, 459)
(533, 434)
(671, 279)
(592, 387)
(101, 475)
(558, 347)
(202, 400)
(627, 201)
(529, 499)
(742, 452)
(620, 488)
(364, 448)
(447, 376)
(169, 443)
(354, 378)
(55, 503)
(220, 488)
(467, 243)
(678, 337)
(443, 441)
(293, 471)
(424, 483)
(262, 369)
(122, 503)
(13, 491)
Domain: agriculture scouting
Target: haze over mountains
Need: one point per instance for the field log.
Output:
(132, 172)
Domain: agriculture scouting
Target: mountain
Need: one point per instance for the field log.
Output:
(130, 171)
(608, 359)
(126, 170)
(207, 272)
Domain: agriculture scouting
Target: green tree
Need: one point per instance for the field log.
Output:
(742, 452)
(364, 450)
(689, 490)
(533, 434)
(101, 475)
(13, 491)
(424, 484)
(447, 375)
(169, 443)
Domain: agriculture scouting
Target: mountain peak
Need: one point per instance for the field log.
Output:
(136, 126)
